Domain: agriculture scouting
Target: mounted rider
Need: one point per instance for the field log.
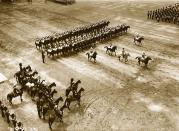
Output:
(16, 91)
(123, 52)
(91, 51)
(20, 66)
(19, 127)
(72, 82)
(111, 46)
(143, 55)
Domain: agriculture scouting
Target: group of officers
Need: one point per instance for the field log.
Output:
(123, 51)
(166, 14)
(10, 118)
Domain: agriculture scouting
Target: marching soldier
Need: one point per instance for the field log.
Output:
(43, 56)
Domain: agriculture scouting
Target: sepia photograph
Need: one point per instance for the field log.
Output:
(89, 65)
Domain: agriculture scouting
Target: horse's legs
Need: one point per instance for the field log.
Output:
(10, 101)
(68, 105)
(50, 122)
(94, 60)
(139, 62)
(21, 97)
(78, 102)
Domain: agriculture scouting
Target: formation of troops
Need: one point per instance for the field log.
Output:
(43, 94)
(78, 39)
(66, 44)
(67, 2)
(10, 118)
(168, 14)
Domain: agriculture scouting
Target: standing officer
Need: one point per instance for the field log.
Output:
(43, 56)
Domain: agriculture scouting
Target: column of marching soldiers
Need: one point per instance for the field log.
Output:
(43, 95)
(10, 118)
(78, 39)
(168, 14)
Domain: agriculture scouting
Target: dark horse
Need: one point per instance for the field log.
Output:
(139, 40)
(76, 97)
(93, 55)
(143, 60)
(53, 116)
(111, 50)
(72, 88)
(12, 95)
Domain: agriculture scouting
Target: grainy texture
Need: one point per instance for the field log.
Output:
(117, 96)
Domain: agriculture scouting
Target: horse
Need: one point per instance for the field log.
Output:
(139, 40)
(125, 28)
(51, 85)
(125, 57)
(56, 102)
(143, 60)
(75, 86)
(12, 95)
(54, 116)
(76, 97)
(111, 50)
(94, 55)
(53, 92)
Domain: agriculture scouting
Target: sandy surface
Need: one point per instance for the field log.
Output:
(118, 96)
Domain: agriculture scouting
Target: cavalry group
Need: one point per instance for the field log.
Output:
(168, 14)
(43, 94)
(111, 49)
(78, 39)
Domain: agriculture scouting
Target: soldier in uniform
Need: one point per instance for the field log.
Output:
(20, 66)
(123, 52)
(43, 56)
(7, 116)
(13, 119)
(143, 55)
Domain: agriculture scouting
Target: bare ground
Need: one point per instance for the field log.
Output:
(117, 96)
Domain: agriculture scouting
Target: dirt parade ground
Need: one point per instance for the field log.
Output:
(118, 96)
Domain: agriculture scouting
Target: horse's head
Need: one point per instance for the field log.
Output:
(128, 27)
(81, 90)
(149, 58)
(35, 72)
(78, 82)
(54, 91)
(128, 54)
(95, 54)
(53, 84)
(142, 38)
(114, 47)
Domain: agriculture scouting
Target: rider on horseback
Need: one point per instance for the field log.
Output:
(20, 66)
(137, 36)
(16, 91)
(143, 55)
(123, 52)
(91, 51)
(72, 82)
(110, 46)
